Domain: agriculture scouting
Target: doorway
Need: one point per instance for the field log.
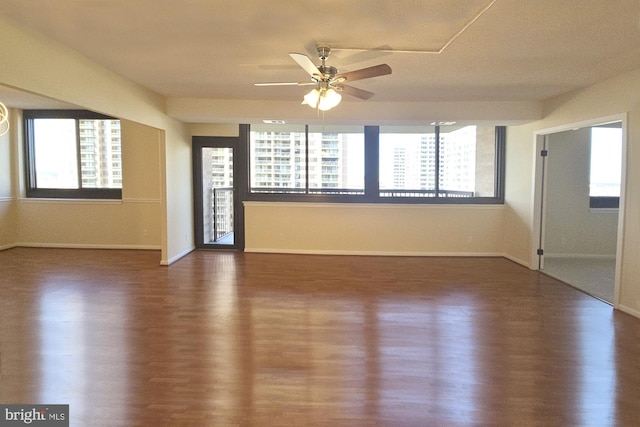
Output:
(581, 183)
(218, 213)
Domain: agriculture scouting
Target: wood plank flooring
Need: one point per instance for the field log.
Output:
(233, 339)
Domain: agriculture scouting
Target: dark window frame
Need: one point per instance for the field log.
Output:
(32, 189)
(371, 178)
(604, 202)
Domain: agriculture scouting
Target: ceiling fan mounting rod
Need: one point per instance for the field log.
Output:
(328, 73)
(323, 52)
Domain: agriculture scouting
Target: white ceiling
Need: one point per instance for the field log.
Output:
(508, 50)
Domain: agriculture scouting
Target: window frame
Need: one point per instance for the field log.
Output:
(308, 189)
(603, 202)
(371, 178)
(32, 190)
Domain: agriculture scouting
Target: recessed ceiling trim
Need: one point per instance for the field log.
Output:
(420, 51)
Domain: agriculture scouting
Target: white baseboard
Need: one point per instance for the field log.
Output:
(519, 261)
(177, 257)
(9, 246)
(87, 246)
(629, 310)
(372, 253)
(580, 256)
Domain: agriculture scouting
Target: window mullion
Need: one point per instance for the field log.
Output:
(372, 162)
(78, 154)
(437, 162)
(30, 157)
(306, 159)
(501, 132)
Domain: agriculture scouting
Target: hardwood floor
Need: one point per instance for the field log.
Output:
(226, 339)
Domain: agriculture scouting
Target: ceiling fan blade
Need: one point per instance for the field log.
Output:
(364, 73)
(354, 91)
(305, 62)
(285, 84)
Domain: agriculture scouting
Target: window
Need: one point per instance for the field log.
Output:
(438, 161)
(306, 160)
(63, 152)
(605, 166)
(401, 164)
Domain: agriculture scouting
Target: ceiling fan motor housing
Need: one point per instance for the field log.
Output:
(328, 72)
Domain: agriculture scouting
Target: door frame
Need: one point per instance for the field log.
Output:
(239, 188)
(540, 181)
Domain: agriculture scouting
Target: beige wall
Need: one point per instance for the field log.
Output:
(133, 222)
(615, 97)
(571, 227)
(375, 229)
(44, 67)
(7, 190)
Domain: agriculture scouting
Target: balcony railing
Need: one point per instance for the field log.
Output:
(222, 212)
(351, 191)
(293, 190)
(425, 193)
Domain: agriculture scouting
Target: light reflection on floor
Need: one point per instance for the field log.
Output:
(69, 321)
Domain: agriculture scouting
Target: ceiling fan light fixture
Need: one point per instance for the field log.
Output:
(4, 119)
(329, 99)
(311, 98)
(322, 99)
(326, 80)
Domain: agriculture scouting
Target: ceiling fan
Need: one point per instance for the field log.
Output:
(328, 82)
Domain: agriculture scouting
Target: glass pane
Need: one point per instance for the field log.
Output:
(100, 153)
(56, 154)
(217, 196)
(606, 161)
(336, 160)
(462, 164)
(407, 164)
(457, 176)
(277, 158)
(485, 161)
(279, 161)
(55, 151)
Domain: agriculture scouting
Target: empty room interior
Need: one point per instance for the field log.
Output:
(320, 213)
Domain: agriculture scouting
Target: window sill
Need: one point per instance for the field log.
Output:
(604, 210)
(38, 200)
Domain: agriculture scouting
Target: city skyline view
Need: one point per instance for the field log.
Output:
(279, 161)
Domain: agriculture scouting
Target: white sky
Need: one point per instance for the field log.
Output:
(606, 156)
(55, 151)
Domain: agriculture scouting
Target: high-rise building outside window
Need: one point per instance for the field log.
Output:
(306, 160)
(443, 161)
(379, 164)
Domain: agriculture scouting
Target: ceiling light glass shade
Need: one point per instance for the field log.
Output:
(311, 98)
(330, 99)
(323, 99)
(4, 119)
